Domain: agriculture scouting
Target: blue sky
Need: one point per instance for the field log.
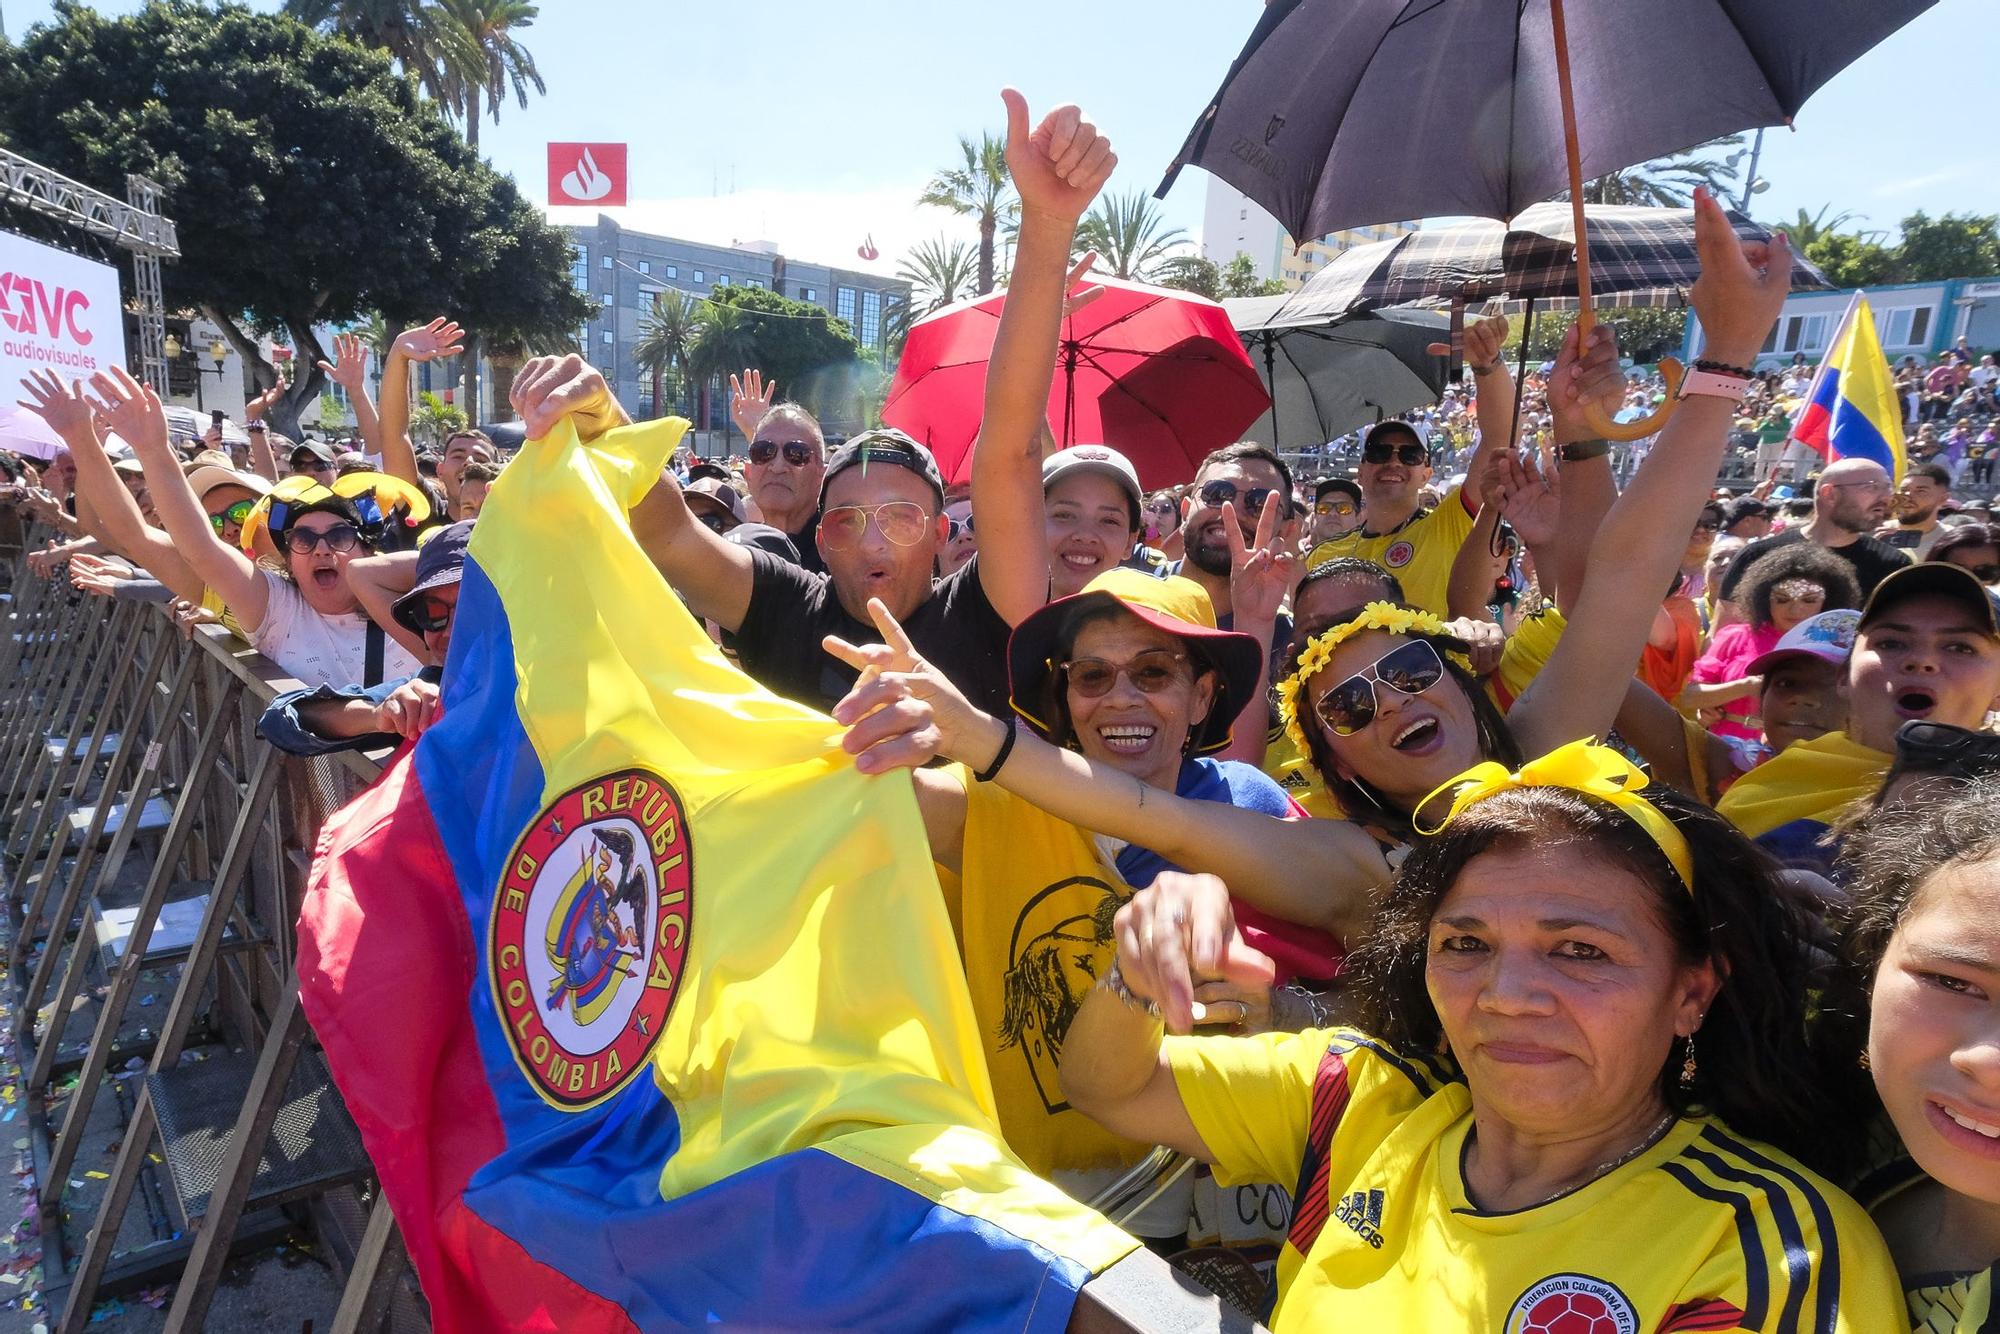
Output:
(814, 124)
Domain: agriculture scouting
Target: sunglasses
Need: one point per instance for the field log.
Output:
(1410, 455)
(1216, 494)
(714, 520)
(431, 616)
(1985, 574)
(798, 453)
(1408, 669)
(1939, 748)
(235, 514)
(339, 537)
(1150, 671)
(903, 522)
(1340, 507)
(959, 528)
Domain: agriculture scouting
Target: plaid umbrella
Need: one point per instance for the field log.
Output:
(1638, 256)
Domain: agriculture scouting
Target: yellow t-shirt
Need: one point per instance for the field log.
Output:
(1033, 910)
(1941, 1303)
(1704, 1231)
(1419, 554)
(1526, 653)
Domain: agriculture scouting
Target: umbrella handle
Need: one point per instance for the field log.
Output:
(1600, 421)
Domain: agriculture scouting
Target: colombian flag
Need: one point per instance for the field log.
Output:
(1852, 411)
(645, 1001)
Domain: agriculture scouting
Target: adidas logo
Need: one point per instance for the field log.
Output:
(1362, 1212)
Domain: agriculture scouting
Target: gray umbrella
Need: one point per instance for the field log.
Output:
(1343, 113)
(1328, 375)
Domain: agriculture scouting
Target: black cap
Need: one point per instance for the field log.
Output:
(885, 446)
(313, 447)
(440, 561)
(1934, 577)
(1345, 486)
(701, 468)
(765, 538)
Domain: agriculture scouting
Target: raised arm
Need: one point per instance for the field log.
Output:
(899, 694)
(125, 529)
(133, 411)
(426, 342)
(1057, 170)
(1261, 575)
(1493, 403)
(377, 582)
(262, 461)
(712, 573)
(1475, 569)
(349, 370)
(1738, 296)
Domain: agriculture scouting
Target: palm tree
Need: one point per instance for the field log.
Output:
(422, 36)
(1129, 235)
(1810, 227)
(503, 63)
(978, 189)
(722, 343)
(1668, 182)
(667, 334)
(939, 272)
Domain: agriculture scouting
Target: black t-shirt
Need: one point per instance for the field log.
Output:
(807, 542)
(792, 609)
(1873, 561)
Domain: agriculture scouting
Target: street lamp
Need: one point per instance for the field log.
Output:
(218, 352)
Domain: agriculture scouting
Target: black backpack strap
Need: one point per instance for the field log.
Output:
(371, 666)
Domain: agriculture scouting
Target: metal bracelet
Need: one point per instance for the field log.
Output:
(1113, 981)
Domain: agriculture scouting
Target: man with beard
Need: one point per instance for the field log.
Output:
(1925, 487)
(1852, 499)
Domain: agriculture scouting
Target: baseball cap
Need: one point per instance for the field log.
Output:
(1098, 459)
(1345, 486)
(765, 538)
(209, 458)
(1828, 636)
(313, 447)
(1940, 579)
(440, 561)
(1396, 426)
(885, 446)
(719, 492)
(1179, 606)
(701, 468)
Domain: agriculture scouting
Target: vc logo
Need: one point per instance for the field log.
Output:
(30, 306)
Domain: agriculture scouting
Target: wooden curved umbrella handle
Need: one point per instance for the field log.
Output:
(1600, 421)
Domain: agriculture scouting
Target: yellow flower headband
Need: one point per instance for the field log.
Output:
(1319, 651)
(1580, 766)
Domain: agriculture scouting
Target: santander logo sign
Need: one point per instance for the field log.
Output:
(581, 174)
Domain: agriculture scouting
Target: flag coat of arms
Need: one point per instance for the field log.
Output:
(1852, 411)
(645, 1001)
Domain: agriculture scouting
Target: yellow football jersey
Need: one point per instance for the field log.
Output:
(1419, 554)
(1706, 1230)
(1940, 1303)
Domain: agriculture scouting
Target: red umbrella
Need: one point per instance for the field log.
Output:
(1154, 372)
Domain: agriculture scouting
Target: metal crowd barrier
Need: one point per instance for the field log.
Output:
(146, 828)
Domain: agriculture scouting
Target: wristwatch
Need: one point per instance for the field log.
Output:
(1577, 450)
(1710, 385)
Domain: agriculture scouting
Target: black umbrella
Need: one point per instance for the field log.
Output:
(1340, 113)
(1328, 375)
(1638, 256)
(1344, 113)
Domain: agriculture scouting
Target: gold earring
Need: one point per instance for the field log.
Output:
(1863, 1062)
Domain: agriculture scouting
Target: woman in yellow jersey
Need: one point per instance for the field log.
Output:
(1922, 931)
(1585, 1019)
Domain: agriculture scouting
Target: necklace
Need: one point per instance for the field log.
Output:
(1646, 1141)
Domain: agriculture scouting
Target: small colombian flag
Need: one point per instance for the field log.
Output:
(645, 1000)
(1852, 411)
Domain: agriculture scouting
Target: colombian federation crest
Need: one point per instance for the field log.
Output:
(589, 935)
(1572, 1304)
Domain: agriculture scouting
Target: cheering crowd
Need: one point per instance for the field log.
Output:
(1556, 898)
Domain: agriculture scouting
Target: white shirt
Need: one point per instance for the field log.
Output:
(319, 649)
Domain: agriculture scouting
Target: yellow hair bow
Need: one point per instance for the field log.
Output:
(1581, 766)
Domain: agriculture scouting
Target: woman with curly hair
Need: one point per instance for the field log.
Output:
(1926, 894)
(1579, 1083)
(1777, 591)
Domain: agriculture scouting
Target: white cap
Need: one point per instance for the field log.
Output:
(1093, 458)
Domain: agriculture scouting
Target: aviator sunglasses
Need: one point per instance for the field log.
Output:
(901, 521)
(1408, 669)
(798, 453)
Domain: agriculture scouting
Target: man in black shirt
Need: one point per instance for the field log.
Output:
(786, 470)
(1851, 500)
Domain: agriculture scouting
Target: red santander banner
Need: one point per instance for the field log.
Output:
(581, 175)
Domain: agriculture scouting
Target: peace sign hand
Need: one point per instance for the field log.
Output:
(1261, 574)
(903, 712)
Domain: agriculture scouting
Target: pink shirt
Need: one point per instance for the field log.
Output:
(1728, 658)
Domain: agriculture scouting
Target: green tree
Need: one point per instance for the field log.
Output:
(1807, 228)
(422, 36)
(1239, 278)
(807, 351)
(722, 343)
(1644, 334)
(1668, 182)
(939, 272)
(503, 64)
(1192, 273)
(1129, 234)
(332, 415)
(434, 420)
(667, 333)
(312, 183)
(1848, 260)
(1957, 245)
(977, 188)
